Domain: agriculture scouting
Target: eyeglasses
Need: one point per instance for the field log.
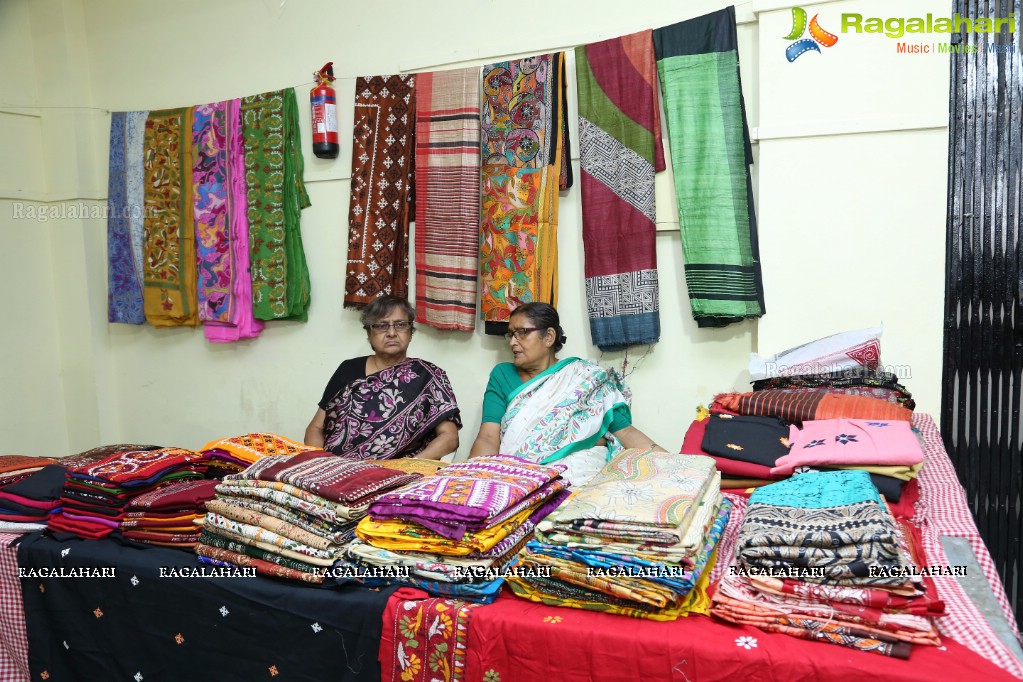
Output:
(401, 326)
(521, 333)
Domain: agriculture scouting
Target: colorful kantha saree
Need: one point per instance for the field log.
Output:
(620, 149)
(276, 196)
(125, 228)
(210, 189)
(698, 64)
(447, 197)
(424, 640)
(383, 197)
(169, 293)
(560, 414)
(337, 479)
(222, 223)
(392, 413)
(470, 495)
(254, 446)
(525, 161)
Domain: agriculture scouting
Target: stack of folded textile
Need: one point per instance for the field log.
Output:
(166, 516)
(456, 532)
(99, 486)
(13, 468)
(637, 540)
(871, 383)
(820, 557)
(27, 503)
(239, 452)
(754, 451)
(291, 516)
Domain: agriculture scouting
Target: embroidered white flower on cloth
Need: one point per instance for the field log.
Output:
(746, 642)
(316, 627)
(224, 611)
(65, 552)
(134, 581)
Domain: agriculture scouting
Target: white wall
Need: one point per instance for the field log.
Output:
(172, 387)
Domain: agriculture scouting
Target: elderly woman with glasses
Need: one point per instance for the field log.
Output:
(572, 411)
(387, 405)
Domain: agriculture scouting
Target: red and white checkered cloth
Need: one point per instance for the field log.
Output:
(13, 639)
(941, 510)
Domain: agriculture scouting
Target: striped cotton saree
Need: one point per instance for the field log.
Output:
(447, 197)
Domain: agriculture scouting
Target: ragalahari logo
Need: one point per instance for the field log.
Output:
(818, 36)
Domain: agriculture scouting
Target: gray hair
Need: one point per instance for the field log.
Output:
(382, 307)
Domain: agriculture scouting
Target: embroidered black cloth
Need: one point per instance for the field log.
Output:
(140, 626)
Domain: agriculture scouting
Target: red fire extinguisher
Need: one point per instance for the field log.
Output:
(323, 103)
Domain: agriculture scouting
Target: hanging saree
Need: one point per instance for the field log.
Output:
(222, 224)
(447, 197)
(169, 293)
(560, 414)
(620, 149)
(698, 65)
(382, 201)
(125, 228)
(392, 413)
(276, 196)
(525, 161)
(210, 188)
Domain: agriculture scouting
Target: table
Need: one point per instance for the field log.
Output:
(269, 631)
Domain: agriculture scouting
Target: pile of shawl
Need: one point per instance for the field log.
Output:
(238, 452)
(639, 540)
(291, 516)
(30, 490)
(824, 405)
(166, 516)
(820, 557)
(102, 483)
(455, 533)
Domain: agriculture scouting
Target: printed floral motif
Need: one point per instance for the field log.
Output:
(785, 441)
(390, 413)
(877, 424)
(491, 676)
(98, 612)
(552, 619)
(746, 642)
(733, 446)
(179, 638)
(44, 675)
(813, 444)
(273, 671)
(845, 438)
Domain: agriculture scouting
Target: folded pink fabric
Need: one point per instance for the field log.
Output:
(835, 442)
